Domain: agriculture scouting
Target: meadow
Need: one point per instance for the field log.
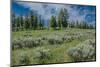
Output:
(53, 46)
(47, 33)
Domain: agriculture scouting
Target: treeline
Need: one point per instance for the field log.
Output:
(31, 21)
(61, 22)
(81, 25)
(36, 22)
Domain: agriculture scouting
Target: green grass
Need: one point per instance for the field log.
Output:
(58, 51)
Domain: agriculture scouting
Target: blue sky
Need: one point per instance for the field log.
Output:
(76, 12)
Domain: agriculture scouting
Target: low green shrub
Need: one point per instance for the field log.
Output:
(42, 55)
(16, 43)
(28, 42)
(27, 34)
(82, 52)
(67, 38)
(55, 40)
(44, 38)
(24, 58)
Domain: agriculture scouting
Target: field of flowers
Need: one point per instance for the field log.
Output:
(53, 46)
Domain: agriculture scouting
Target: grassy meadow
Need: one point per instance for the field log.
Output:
(52, 33)
(52, 46)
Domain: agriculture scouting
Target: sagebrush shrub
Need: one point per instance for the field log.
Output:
(55, 40)
(92, 42)
(51, 40)
(24, 58)
(67, 38)
(16, 43)
(43, 42)
(28, 42)
(82, 52)
(59, 40)
(27, 34)
(36, 42)
(42, 54)
(44, 38)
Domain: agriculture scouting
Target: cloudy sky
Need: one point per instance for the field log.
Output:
(46, 10)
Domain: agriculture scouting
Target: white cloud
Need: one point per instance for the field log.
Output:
(42, 11)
